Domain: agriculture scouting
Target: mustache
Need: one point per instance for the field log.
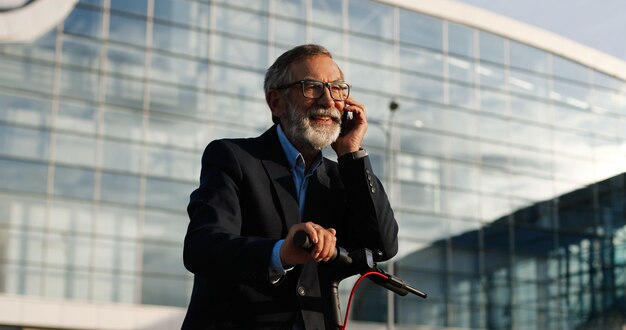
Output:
(330, 112)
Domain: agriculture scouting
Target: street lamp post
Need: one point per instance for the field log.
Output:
(389, 167)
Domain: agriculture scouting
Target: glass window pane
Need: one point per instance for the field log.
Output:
(23, 176)
(119, 188)
(241, 23)
(421, 61)
(527, 57)
(241, 52)
(180, 71)
(371, 18)
(73, 182)
(421, 30)
(77, 117)
(379, 52)
(179, 101)
(74, 217)
(289, 32)
(176, 164)
(24, 142)
(174, 132)
(327, 12)
(80, 84)
(26, 76)
(179, 40)
(124, 92)
(125, 124)
(84, 53)
(18, 109)
(76, 150)
(84, 22)
(568, 69)
(183, 12)
(121, 156)
(127, 30)
(491, 47)
(125, 60)
(166, 194)
(460, 40)
(138, 7)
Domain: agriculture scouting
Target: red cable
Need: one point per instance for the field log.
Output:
(345, 321)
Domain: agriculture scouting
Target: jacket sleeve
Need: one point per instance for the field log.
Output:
(213, 244)
(371, 222)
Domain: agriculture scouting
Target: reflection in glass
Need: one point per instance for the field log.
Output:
(73, 182)
(80, 84)
(125, 60)
(174, 39)
(328, 12)
(121, 156)
(24, 109)
(421, 30)
(83, 53)
(84, 22)
(24, 142)
(183, 12)
(119, 188)
(241, 23)
(371, 18)
(127, 30)
(180, 71)
(75, 150)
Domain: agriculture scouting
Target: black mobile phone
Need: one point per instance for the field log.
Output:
(346, 117)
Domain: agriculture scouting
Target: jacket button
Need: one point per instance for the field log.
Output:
(301, 291)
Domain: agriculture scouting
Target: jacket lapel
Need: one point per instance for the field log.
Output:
(277, 168)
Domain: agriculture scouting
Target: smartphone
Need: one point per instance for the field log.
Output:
(346, 117)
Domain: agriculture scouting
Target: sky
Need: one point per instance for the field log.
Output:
(600, 24)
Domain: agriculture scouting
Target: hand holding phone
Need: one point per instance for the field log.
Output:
(346, 117)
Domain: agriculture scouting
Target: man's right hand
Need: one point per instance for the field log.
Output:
(324, 241)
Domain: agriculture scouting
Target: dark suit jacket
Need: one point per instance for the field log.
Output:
(246, 201)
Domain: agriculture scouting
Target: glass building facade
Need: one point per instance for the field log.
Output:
(497, 160)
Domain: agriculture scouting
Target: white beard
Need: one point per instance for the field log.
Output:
(305, 133)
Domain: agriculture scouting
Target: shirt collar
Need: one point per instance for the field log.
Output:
(292, 153)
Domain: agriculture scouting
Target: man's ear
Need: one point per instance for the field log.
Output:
(277, 103)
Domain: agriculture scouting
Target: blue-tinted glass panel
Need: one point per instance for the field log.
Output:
(420, 87)
(329, 39)
(165, 226)
(179, 40)
(290, 8)
(23, 176)
(178, 100)
(79, 52)
(527, 57)
(138, 7)
(421, 60)
(180, 71)
(124, 92)
(171, 163)
(75, 150)
(491, 75)
(121, 156)
(126, 124)
(238, 110)
(164, 290)
(42, 48)
(73, 182)
(175, 132)
(237, 82)
(532, 110)
(24, 142)
(289, 32)
(84, 22)
(526, 83)
(259, 5)
(128, 30)
(460, 40)
(241, 52)
(462, 96)
(491, 47)
(125, 60)
(568, 69)
(421, 30)
(119, 188)
(80, 84)
(371, 18)
(241, 23)
(493, 102)
(183, 12)
(377, 51)
(167, 194)
(15, 108)
(327, 12)
(26, 75)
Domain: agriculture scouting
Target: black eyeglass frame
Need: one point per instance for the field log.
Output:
(325, 84)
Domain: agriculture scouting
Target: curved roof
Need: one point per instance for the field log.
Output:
(29, 22)
(509, 28)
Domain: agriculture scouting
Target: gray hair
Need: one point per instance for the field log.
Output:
(279, 73)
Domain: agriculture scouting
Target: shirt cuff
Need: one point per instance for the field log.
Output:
(277, 270)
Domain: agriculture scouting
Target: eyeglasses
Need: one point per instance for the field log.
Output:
(313, 89)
